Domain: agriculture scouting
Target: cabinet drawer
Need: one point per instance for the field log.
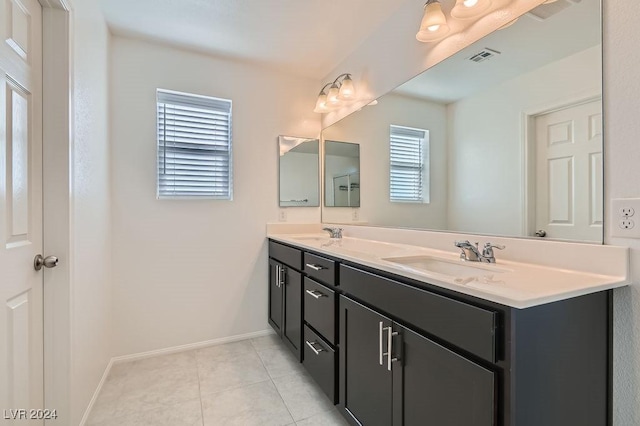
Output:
(320, 268)
(320, 362)
(466, 326)
(320, 309)
(287, 255)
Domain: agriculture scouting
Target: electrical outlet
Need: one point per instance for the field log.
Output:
(282, 216)
(355, 215)
(623, 220)
(627, 211)
(626, 224)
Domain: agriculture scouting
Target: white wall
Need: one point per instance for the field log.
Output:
(90, 207)
(370, 128)
(187, 271)
(299, 178)
(622, 178)
(622, 156)
(487, 196)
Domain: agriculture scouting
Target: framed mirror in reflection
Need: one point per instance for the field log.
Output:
(299, 172)
(341, 174)
(512, 127)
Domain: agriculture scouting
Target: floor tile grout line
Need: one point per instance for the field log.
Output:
(195, 356)
(276, 388)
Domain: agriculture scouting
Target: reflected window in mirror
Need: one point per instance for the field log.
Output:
(342, 174)
(408, 165)
(299, 172)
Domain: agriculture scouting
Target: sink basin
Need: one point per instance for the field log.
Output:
(451, 268)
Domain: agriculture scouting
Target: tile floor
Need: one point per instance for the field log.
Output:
(252, 382)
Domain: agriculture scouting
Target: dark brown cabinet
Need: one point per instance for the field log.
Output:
(285, 296)
(391, 375)
(393, 351)
(276, 293)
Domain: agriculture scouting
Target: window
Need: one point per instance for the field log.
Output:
(194, 146)
(409, 165)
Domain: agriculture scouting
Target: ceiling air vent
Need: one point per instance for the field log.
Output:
(484, 55)
(547, 10)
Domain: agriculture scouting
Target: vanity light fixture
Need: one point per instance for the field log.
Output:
(341, 90)
(467, 9)
(434, 24)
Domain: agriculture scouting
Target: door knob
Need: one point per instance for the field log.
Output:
(47, 262)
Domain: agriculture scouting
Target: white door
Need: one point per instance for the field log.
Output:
(21, 309)
(569, 173)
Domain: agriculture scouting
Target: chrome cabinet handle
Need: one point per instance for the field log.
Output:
(390, 334)
(277, 275)
(315, 294)
(283, 275)
(313, 348)
(380, 336)
(315, 267)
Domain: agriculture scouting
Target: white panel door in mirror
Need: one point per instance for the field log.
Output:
(18, 27)
(569, 170)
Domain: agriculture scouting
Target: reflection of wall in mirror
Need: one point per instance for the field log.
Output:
(370, 128)
(299, 179)
(337, 166)
(486, 190)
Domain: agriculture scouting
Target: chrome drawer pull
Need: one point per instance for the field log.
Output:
(316, 294)
(380, 336)
(313, 348)
(390, 334)
(315, 267)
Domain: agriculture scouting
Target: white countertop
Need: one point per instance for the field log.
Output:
(511, 283)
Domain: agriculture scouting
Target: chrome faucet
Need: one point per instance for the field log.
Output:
(334, 232)
(471, 252)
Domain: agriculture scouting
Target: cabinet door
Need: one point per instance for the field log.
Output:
(276, 293)
(365, 384)
(438, 387)
(292, 331)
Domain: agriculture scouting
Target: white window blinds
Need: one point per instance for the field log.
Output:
(194, 146)
(408, 172)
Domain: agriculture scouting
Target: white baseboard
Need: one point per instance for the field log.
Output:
(94, 398)
(165, 351)
(191, 346)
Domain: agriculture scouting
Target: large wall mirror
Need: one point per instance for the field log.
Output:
(299, 172)
(502, 138)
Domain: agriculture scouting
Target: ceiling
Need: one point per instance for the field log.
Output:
(307, 37)
(525, 46)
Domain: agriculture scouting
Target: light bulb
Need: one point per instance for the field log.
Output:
(470, 3)
(434, 24)
(347, 90)
(321, 104)
(332, 96)
(468, 9)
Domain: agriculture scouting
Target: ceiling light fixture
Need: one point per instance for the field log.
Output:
(341, 91)
(434, 24)
(468, 9)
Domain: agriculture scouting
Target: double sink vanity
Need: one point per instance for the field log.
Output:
(403, 321)
(398, 334)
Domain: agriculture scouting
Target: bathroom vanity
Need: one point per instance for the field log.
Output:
(395, 345)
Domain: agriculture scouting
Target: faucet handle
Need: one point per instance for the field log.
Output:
(498, 246)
